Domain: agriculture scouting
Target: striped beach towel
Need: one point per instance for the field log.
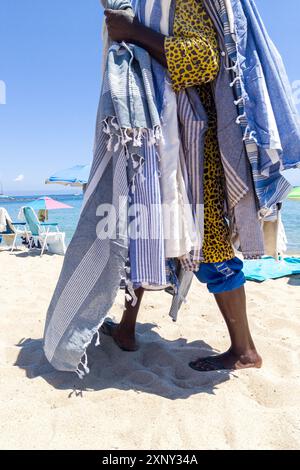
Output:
(274, 187)
(94, 265)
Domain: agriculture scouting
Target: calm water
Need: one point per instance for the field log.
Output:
(68, 218)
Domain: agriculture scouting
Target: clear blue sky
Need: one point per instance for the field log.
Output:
(50, 60)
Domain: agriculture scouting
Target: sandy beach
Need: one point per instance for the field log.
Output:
(149, 399)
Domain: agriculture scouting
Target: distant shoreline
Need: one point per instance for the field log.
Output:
(68, 192)
(29, 196)
(68, 220)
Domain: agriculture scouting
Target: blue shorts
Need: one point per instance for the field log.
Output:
(222, 277)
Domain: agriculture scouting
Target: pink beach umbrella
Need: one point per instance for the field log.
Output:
(47, 203)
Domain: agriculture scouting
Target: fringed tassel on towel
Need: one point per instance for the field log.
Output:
(117, 144)
(109, 143)
(239, 118)
(239, 101)
(97, 343)
(136, 136)
(234, 68)
(125, 135)
(114, 123)
(234, 81)
(84, 364)
(131, 293)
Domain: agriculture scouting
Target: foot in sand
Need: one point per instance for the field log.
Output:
(123, 338)
(228, 361)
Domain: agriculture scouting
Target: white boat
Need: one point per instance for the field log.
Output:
(3, 196)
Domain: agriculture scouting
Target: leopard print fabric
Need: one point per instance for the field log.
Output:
(192, 52)
(193, 60)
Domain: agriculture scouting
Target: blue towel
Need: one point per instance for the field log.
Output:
(269, 268)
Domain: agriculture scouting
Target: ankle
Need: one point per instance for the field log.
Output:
(128, 330)
(248, 350)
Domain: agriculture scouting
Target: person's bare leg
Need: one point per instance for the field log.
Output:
(242, 352)
(124, 333)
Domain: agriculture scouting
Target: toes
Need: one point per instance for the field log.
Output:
(207, 364)
(202, 365)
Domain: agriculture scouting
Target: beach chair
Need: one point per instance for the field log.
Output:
(41, 233)
(10, 231)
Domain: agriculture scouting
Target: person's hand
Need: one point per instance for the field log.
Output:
(120, 24)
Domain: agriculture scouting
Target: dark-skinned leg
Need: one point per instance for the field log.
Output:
(242, 353)
(124, 332)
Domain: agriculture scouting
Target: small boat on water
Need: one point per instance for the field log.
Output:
(2, 195)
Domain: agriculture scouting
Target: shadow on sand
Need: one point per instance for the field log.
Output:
(159, 367)
(294, 280)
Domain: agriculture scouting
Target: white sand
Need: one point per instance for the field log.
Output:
(150, 399)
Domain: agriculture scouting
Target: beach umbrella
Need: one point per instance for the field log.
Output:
(76, 176)
(295, 194)
(47, 203)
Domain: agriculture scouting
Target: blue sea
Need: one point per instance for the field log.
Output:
(68, 218)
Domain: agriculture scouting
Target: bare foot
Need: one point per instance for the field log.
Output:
(125, 340)
(228, 361)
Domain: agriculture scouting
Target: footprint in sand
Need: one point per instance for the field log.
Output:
(158, 356)
(141, 377)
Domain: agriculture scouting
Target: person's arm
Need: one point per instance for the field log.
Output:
(192, 59)
(123, 26)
